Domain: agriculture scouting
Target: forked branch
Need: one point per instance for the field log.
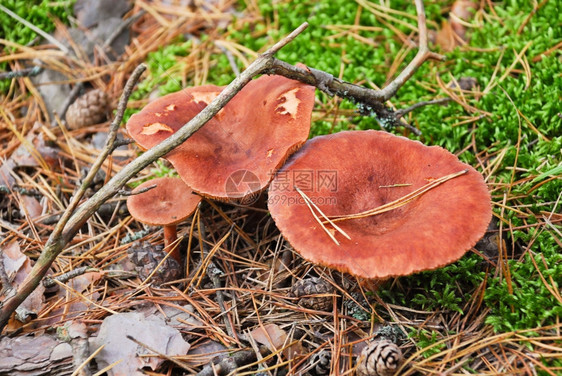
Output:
(73, 220)
(371, 102)
(76, 215)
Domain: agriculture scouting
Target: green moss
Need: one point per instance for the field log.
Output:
(39, 12)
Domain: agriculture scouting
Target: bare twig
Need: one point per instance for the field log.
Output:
(4, 189)
(370, 102)
(50, 282)
(229, 57)
(232, 362)
(45, 35)
(400, 113)
(27, 72)
(423, 54)
(163, 356)
(72, 221)
(123, 192)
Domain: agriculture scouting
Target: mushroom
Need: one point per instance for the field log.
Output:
(169, 203)
(353, 172)
(235, 154)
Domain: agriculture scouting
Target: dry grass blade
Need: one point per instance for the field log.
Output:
(401, 201)
(103, 371)
(85, 363)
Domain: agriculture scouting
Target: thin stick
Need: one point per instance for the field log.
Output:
(26, 72)
(50, 282)
(88, 360)
(423, 54)
(123, 192)
(51, 39)
(164, 356)
(400, 113)
(370, 102)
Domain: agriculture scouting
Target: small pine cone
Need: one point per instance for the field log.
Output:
(305, 289)
(320, 363)
(379, 358)
(147, 257)
(91, 108)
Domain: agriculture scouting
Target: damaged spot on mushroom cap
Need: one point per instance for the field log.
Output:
(289, 103)
(153, 128)
(431, 231)
(253, 130)
(205, 97)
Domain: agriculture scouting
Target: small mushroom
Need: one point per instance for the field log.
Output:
(234, 154)
(353, 172)
(169, 203)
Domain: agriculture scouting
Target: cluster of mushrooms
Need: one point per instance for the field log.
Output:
(367, 203)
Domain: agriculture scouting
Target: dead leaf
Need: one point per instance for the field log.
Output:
(31, 206)
(6, 177)
(445, 38)
(74, 306)
(17, 267)
(204, 352)
(151, 331)
(453, 30)
(35, 151)
(155, 128)
(462, 11)
(12, 258)
(270, 335)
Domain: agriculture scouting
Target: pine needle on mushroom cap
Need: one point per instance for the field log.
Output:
(445, 210)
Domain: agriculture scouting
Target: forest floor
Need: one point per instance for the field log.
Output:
(496, 311)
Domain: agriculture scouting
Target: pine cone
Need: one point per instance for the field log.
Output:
(91, 108)
(320, 363)
(313, 286)
(147, 257)
(379, 358)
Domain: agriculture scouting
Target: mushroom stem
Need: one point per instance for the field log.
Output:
(170, 236)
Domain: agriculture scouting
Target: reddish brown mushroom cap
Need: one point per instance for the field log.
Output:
(351, 172)
(169, 203)
(236, 152)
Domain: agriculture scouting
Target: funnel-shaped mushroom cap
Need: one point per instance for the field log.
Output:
(236, 152)
(169, 203)
(352, 172)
